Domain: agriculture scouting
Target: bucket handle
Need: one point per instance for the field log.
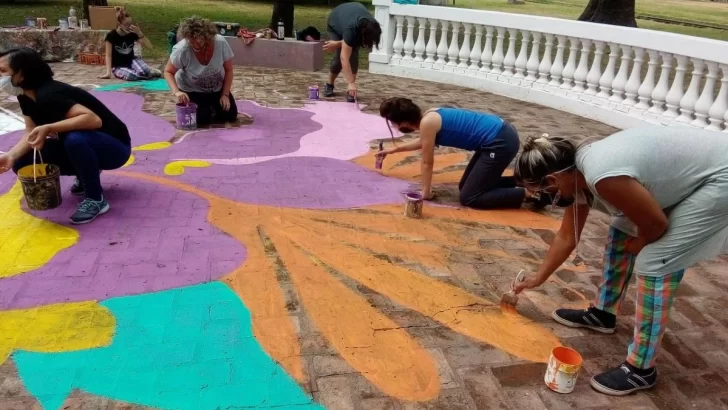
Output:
(36, 152)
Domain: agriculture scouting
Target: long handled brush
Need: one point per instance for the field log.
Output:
(510, 297)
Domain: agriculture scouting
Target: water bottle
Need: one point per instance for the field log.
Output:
(72, 19)
(281, 30)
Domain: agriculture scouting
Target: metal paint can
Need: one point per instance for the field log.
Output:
(562, 369)
(413, 205)
(313, 92)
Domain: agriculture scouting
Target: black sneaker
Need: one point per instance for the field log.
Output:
(591, 318)
(624, 380)
(328, 90)
(88, 210)
(77, 188)
(350, 98)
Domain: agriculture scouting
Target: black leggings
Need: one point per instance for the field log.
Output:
(209, 108)
(482, 185)
(336, 67)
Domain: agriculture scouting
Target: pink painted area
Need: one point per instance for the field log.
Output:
(154, 238)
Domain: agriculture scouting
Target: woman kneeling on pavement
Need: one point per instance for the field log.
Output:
(67, 125)
(494, 143)
(668, 191)
(200, 70)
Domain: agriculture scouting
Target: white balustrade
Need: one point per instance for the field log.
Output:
(475, 53)
(719, 110)
(618, 90)
(687, 102)
(522, 55)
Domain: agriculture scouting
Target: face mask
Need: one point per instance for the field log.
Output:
(6, 84)
(563, 202)
(406, 130)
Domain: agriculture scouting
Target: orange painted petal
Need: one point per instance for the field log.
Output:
(371, 343)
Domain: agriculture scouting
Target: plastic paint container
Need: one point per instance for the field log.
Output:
(186, 116)
(313, 92)
(562, 369)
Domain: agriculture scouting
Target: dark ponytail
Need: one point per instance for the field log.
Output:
(398, 110)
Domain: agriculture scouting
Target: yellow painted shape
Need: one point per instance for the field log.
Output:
(56, 328)
(176, 168)
(370, 342)
(152, 146)
(27, 242)
(130, 161)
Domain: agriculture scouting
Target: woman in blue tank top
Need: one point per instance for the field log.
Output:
(494, 143)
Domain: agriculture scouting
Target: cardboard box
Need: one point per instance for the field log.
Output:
(102, 17)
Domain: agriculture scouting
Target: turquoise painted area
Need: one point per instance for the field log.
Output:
(189, 348)
(152, 85)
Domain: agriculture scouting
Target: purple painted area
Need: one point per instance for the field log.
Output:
(154, 238)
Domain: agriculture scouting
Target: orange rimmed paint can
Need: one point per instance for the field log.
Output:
(563, 369)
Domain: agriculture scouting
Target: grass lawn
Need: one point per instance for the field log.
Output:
(158, 16)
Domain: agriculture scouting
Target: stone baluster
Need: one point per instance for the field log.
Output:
(452, 52)
(498, 52)
(676, 90)
(464, 54)
(558, 67)
(719, 110)
(687, 103)
(545, 67)
(621, 79)
(705, 102)
(442, 47)
(570, 68)
(663, 85)
(431, 48)
(420, 44)
(582, 69)
(409, 42)
(605, 81)
(510, 60)
(533, 59)
(648, 84)
(633, 84)
(477, 50)
(398, 41)
(487, 56)
(522, 55)
(595, 72)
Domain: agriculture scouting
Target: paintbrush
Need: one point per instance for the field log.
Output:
(510, 297)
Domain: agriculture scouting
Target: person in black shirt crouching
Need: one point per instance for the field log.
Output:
(70, 127)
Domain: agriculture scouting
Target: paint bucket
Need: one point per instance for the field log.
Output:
(413, 205)
(63, 24)
(313, 92)
(186, 116)
(41, 185)
(562, 369)
(30, 22)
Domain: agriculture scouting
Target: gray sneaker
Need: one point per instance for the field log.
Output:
(328, 90)
(88, 210)
(77, 188)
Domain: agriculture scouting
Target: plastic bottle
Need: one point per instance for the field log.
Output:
(281, 30)
(380, 158)
(72, 19)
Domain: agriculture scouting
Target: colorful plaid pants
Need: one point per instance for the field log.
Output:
(139, 70)
(652, 304)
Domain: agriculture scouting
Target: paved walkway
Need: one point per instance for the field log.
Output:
(268, 266)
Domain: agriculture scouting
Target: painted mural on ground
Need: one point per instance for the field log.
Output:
(211, 207)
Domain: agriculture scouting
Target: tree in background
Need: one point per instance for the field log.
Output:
(282, 10)
(87, 3)
(614, 12)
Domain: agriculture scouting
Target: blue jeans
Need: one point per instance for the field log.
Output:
(83, 154)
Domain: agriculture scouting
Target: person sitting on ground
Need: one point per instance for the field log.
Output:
(667, 188)
(120, 59)
(67, 125)
(200, 70)
(494, 143)
(310, 34)
(350, 27)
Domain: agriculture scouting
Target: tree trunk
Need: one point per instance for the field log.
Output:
(282, 10)
(87, 3)
(614, 12)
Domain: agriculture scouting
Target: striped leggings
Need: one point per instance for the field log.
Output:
(138, 71)
(654, 299)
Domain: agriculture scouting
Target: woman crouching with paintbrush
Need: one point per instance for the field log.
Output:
(668, 190)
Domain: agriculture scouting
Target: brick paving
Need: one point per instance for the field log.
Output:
(693, 363)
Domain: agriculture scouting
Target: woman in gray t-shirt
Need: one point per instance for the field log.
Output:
(200, 70)
(667, 188)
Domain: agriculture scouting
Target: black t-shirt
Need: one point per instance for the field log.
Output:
(344, 22)
(54, 99)
(122, 48)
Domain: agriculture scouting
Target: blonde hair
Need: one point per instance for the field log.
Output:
(197, 28)
(542, 156)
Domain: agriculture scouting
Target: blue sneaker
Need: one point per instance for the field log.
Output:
(88, 210)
